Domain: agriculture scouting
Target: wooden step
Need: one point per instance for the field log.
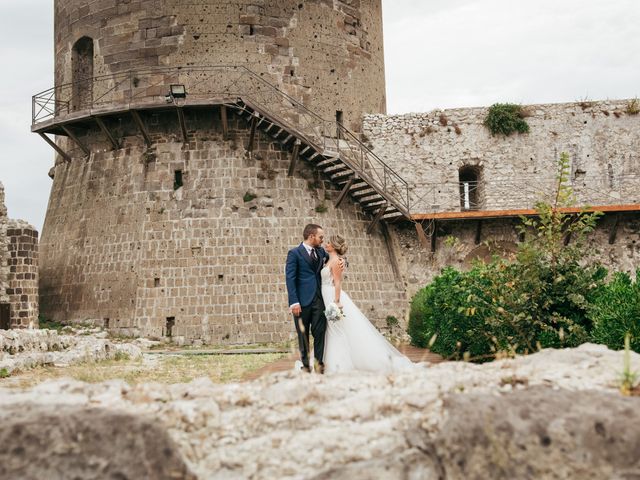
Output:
(329, 162)
(357, 187)
(344, 174)
(373, 205)
(362, 193)
(333, 169)
(369, 197)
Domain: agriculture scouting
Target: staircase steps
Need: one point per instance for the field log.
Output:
(334, 157)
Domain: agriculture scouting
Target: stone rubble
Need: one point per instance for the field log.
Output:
(24, 349)
(294, 425)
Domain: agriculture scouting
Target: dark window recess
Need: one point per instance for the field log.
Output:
(156, 282)
(339, 121)
(82, 73)
(106, 324)
(177, 179)
(469, 188)
(5, 315)
(168, 331)
(251, 30)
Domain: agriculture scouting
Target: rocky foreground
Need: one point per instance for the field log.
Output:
(24, 349)
(555, 414)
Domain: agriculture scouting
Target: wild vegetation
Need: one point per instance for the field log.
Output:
(550, 295)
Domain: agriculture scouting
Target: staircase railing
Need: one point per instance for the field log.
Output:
(226, 83)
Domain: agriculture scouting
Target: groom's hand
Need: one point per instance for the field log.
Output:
(296, 310)
(341, 263)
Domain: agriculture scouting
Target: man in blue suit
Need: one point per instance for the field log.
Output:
(305, 293)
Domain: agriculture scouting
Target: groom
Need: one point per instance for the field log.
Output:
(305, 293)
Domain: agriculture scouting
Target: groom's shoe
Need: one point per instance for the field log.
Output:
(306, 369)
(320, 368)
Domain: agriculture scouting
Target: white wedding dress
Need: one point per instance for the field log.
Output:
(353, 343)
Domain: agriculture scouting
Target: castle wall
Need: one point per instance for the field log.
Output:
(23, 274)
(456, 247)
(327, 54)
(603, 143)
(122, 247)
(18, 271)
(4, 249)
(601, 138)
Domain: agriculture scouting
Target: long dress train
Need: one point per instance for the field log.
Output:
(353, 343)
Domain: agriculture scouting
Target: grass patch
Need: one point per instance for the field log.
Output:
(45, 324)
(167, 369)
(633, 107)
(4, 373)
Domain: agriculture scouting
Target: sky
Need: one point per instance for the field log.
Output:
(438, 54)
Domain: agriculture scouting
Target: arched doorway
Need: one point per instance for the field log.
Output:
(82, 73)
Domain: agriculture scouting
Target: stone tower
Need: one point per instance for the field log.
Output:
(328, 54)
(194, 141)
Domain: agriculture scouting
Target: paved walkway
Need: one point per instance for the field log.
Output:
(414, 353)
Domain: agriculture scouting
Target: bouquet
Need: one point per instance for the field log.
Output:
(334, 313)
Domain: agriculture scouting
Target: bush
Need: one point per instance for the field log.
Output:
(445, 317)
(539, 300)
(505, 119)
(616, 311)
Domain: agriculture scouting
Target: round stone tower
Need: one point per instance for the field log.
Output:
(194, 141)
(328, 54)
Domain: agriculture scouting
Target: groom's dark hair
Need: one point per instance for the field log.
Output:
(310, 229)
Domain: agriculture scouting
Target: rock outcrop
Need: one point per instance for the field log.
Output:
(555, 414)
(86, 443)
(24, 349)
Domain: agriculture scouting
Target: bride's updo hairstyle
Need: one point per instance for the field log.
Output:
(339, 244)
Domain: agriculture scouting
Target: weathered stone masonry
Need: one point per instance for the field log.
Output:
(123, 247)
(429, 150)
(185, 235)
(18, 272)
(326, 53)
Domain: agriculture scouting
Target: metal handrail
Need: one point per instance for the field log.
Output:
(138, 85)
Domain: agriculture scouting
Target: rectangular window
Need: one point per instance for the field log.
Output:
(177, 179)
(168, 331)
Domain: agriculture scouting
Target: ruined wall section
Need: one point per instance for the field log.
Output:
(326, 54)
(4, 249)
(456, 247)
(124, 246)
(22, 288)
(428, 149)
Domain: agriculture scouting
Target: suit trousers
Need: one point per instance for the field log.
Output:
(312, 320)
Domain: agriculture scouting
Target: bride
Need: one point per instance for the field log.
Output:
(353, 343)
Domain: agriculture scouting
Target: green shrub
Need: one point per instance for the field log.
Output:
(616, 312)
(541, 299)
(4, 373)
(505, 119)
(445, 314)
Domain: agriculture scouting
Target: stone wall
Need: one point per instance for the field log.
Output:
(327, 54)
(4, 250)
(18, 271)
(428, 150)
(456, 246)
(126, 247)
(23, 274)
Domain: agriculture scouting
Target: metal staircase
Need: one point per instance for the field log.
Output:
(341, 157)
(328, 145)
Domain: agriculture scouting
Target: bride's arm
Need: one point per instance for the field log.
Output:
(336, 273)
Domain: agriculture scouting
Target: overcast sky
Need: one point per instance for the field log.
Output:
(439, 54)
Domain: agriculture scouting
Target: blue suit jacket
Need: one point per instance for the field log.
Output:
(303, 281)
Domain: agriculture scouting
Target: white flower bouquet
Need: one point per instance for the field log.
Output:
(334, 313)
